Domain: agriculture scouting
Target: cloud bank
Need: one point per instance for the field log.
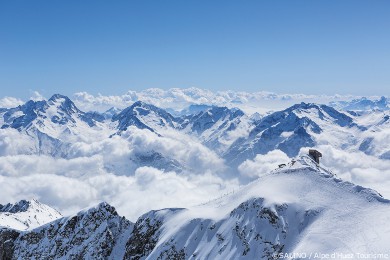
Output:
(177, 99)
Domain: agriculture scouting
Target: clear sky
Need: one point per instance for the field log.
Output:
(109, 47)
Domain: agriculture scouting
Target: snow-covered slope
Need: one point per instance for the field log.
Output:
(144, 116)
(300, 208)
(49, 127)
(26, 215)
(216, 127)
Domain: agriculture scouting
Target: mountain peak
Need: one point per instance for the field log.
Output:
(62, 99)
(100, 207)
(139, 103)
(26, 214)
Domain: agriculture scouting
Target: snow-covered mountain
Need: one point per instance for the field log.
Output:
(363, 104)
(95, 233)
(375, 140)
(58, 128)
(215, 126)
(144, 116)
(49, 127)
(301, 208)
(26, 215)
(302, 125)
(59, 110)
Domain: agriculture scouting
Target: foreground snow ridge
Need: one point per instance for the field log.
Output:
(299, 209)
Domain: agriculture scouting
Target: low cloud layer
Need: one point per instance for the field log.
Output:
(74, 183)
(262, 164)
(57, 183)
(105, 170)
(358, 168)
(9, 102)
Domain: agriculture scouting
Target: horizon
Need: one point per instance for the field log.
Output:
(177, 100)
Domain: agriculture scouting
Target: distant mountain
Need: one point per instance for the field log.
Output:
(195, 109)
(111, 112)
(144, 116)
(302, 125)
(58, 110)
(58, 128)
(375, 140)
(265, 219)
(363, 104)
(50, 125)
(26, 215)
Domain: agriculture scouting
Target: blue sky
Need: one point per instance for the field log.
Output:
(109, 47)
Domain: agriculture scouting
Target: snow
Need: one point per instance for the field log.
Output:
(142, 158)
(26, 215)
(343, 221)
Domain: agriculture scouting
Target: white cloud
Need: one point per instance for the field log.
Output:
(358, 168)
(262, 164)
(103, 169)
(177, 98)
(70, 185)
(9, 102)
(36, 96)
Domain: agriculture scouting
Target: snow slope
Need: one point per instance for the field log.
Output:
(26, 215)
(302, 208)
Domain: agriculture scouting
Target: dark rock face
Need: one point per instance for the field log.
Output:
(7, 238)
(143, 239)
(252, 229)
(20, 206)
(96, 234)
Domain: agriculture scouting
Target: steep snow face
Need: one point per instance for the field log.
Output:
(144, 116)
(26, 215)
(95, 233)
(216, 127)
(302, 125)
(58, 110)
(301, 208)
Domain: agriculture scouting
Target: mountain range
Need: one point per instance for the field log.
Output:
(53, 127)
(299, 207)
